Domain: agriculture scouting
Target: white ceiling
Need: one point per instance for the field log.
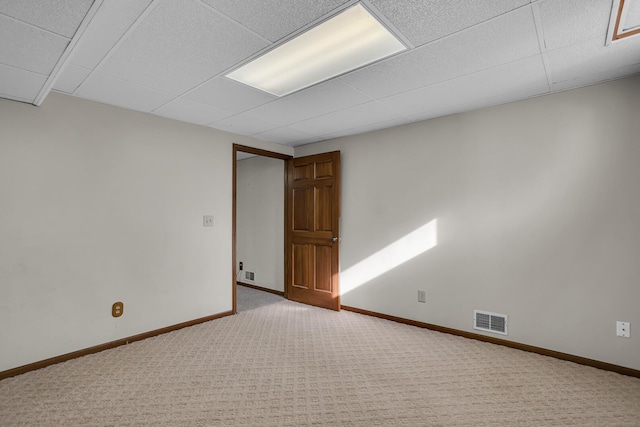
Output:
(168, 57)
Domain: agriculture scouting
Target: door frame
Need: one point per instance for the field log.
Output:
(265, 153)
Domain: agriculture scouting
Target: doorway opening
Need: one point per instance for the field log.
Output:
(259, 220)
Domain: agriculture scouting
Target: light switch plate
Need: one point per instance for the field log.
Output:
(207, 221)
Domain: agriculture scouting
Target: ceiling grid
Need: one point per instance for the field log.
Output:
(169, 57)
(537, 18)
(119, 42)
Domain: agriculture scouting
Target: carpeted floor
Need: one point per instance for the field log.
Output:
(279, 363)
(249, 299)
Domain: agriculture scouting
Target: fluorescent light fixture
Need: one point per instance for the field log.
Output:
(352, 39)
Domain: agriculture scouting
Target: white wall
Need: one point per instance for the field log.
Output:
(537, 206)
(538, 217)
(260, 220)
(99, 204)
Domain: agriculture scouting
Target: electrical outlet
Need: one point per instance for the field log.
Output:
(623, 329)
(207, 221)
(241, 265)
(422, 296)
(117, 309)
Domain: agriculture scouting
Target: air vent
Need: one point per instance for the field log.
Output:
(490, 322)
(249, 275)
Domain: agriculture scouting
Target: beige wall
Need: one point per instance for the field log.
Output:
(538, 217)
(260, 220)
(100, 204)
(536, 204)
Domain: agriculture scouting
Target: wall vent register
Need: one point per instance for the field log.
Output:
(490, 322)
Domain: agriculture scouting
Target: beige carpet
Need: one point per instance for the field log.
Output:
(279, 363)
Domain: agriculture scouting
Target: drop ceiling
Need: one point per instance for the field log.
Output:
(169, 57)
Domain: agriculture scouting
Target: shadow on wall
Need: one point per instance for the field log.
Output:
(386, 259)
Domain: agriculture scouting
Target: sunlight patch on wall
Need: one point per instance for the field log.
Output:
(391, 256)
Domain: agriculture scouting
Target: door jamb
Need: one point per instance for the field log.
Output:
(265, 153)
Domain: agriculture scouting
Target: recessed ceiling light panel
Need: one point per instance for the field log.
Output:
(352, 39)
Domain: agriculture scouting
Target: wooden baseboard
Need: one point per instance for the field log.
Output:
(260, 288)
(539, 350)
(101, 347)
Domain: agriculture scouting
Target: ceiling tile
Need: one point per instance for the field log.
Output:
(317, 100)
(114, 91)
(368, 128)
(521, 75)
(632, 18)
(510, 37)
(59, 16)
(111, 21)
(282, 135)
(29, 48)
(423, 21)
(592, 57)
(70, 78)
(20, 84)
(306, 141)
(482, 103)
(274, 19)
(349, 118)
(244, 124)
(192, 112)
(594, 78)
(565, 22)
(225, 93)
(179, 45)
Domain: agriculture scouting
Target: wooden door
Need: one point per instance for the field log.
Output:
(313, 214)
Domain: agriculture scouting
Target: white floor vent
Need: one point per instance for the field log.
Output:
(490, 322)
(249, 275)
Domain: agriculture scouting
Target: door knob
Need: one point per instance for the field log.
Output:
(334, 239)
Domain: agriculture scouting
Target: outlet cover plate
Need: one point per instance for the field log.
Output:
(422, 296)
(117, 309)
(623, 329)
(207, 221)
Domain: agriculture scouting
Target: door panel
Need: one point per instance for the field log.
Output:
(324, 170)
(323, 280)
(301, 266)
(302, 209)
(313, 214)
(302, 172)
(324, 209)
